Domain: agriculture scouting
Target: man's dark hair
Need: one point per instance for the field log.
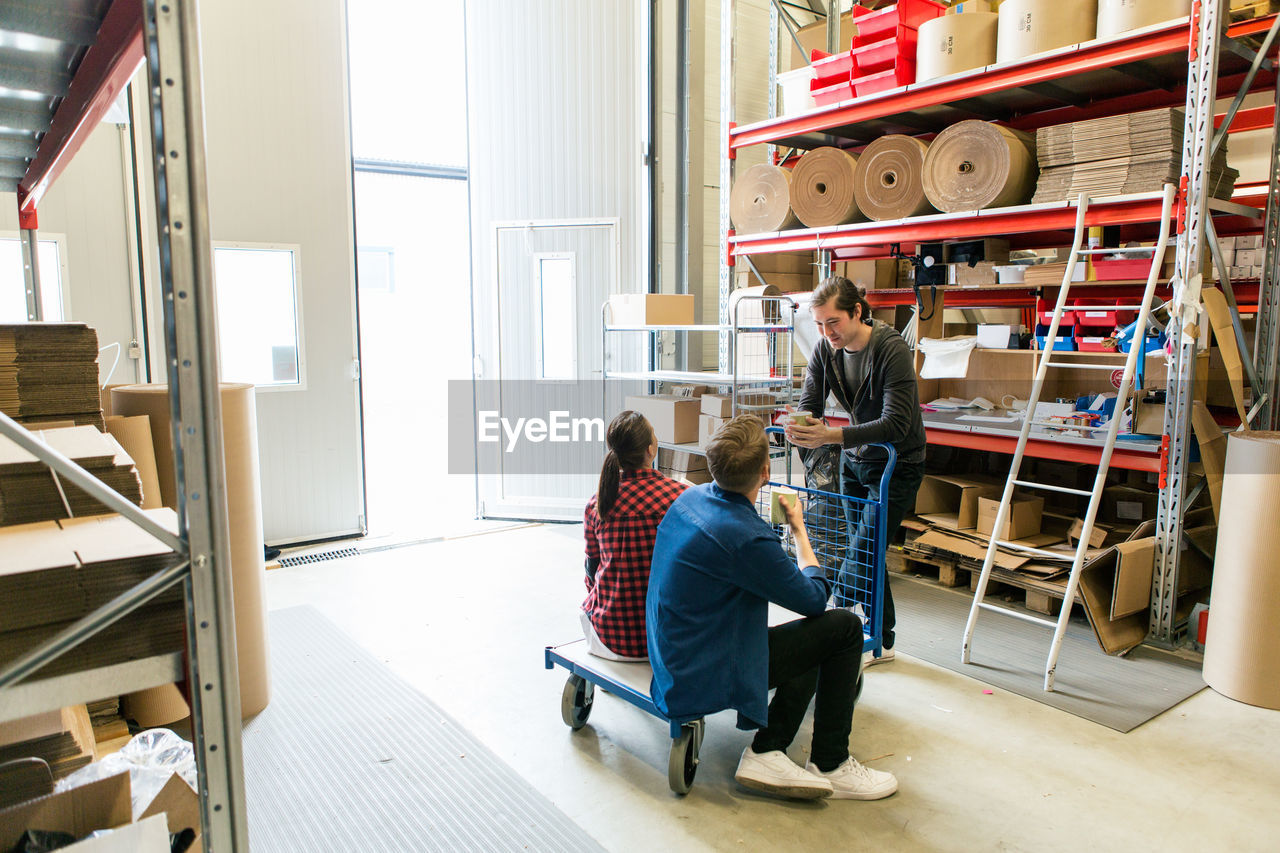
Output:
(847, 295)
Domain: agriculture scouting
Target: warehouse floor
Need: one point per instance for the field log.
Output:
(465, 621)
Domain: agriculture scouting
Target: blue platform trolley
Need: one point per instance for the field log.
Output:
(848, 536)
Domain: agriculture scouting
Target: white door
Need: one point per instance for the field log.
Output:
(557, 127)
(280, 205)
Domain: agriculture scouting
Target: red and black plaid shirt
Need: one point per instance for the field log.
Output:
(623, 545)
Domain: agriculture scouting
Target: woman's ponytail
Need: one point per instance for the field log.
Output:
(607, 490)
(628, 438)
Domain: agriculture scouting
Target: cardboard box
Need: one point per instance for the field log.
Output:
(1248, 257)
(978, 275)
(952, 501)
(1097, 536)
(689, 478)
(651, 309)
(103, 804)
(1248, 241)
(1148, 417)
(674, 419)
(721, 405)
(1125, 505)
(681, 460)
(1213, 452)
(687, 390)
(1135, 568)
(708, 426)
(1025, 512)
(814, 37)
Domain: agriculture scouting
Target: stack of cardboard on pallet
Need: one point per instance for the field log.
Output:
(49, 373)
(63, 739)
(30, 491)
(690, 468)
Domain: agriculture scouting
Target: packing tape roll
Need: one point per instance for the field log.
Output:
(822, 188)
(1242, 649)
(761, 200)
(955, 43)
(244, 516)
(1120, 16)
(1031, 26)
(973, 165)
(889, 181)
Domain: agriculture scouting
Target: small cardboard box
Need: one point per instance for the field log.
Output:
(1148, 417)
(1025, 512)
(721, 405)
(708, 426)
(651, 309)
(691, 478)
(1247, 258)
(1248, 241)
(681, 460)
(687, 390)
(103, 804)
(1135, 566)
(1125, 505)
(674, 419)
(952, 501)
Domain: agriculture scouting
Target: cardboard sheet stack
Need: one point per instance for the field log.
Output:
(1120, 154)
(49, 372)
(29, 491)
(55, 572)
(63, 739)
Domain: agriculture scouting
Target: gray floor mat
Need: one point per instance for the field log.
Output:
(1119, 693)
(348, 756)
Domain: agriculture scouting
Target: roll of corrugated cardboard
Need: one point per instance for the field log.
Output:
(1032, 26)
(1242, 649)
(244, 506)
(755, 312)
(822, 188)
(955, 43)
(134, 435)
(761, 200)
(889, 181)
(1120, 16)
(973, 165)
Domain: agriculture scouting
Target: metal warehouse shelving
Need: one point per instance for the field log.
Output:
(46, 114)
(1188, 62)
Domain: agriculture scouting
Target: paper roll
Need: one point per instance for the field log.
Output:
(756, 312)
(1120, 16)
(973, 165)
(955, 43)
(822, 188)
(761, 200)
(1027, 27)
(1242, 649)
(244, 506)
(889, 181)
(134, 435)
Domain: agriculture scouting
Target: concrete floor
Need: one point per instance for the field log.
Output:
(465, 621)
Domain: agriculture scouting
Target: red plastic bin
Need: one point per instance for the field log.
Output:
(830, 68)
(900, 75)
(836, 92)
(883, 55)
(1095, 344)
(1129, 268)
(878, 25)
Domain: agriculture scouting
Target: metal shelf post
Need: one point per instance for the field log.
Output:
(1267, 333)
(186, 266)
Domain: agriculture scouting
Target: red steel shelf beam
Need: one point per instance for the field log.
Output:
(1092, 56)
(1128, 458)
(107, 67)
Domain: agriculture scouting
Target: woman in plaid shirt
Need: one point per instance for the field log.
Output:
(620, 524)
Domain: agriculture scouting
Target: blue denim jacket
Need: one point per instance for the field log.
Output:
(716, 566)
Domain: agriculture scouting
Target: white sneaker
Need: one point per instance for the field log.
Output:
(774, 773)
(869, 658)
(853, 781)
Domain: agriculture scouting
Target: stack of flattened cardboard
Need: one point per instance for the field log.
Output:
(53, 573)
(30, 492)
(49, 372)
(62, 739)
(1117, 155)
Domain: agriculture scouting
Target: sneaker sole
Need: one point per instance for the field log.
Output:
(870, 795)
(795, 792)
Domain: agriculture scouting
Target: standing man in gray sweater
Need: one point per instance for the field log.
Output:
(867, 366)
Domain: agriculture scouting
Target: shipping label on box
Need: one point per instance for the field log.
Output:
(674, 419)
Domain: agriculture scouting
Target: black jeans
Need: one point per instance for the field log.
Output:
(822, 655)
(862, 479)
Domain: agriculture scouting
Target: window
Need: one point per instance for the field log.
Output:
(377, 269)
(259, 315)
(13, 283)
(558, 354)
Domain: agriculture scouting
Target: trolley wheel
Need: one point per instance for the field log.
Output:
(575, 701)
(683, 762)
